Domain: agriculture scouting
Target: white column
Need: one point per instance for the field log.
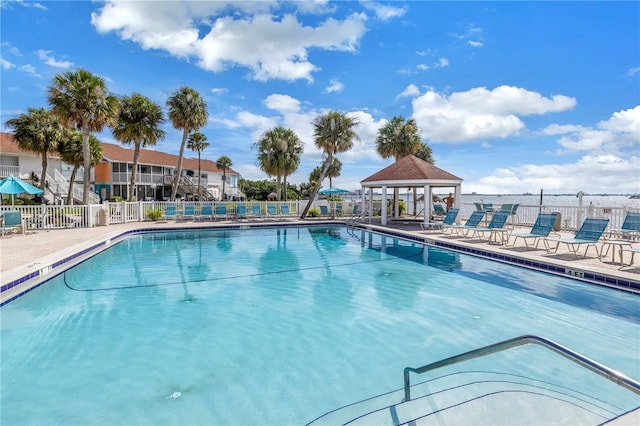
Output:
(428, 201)
(383, 220)
(457, 201)
(370, 204)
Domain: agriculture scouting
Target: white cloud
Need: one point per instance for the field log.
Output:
(442, 62)
(335, 86)
(409, 91)
(31, 4)
(28, 68)
(473, 43)
(633, 71)
(609, 161)
(49, 60)
(219, 91)
(481, 113)
(271, 47)
(282, 103)
(384, 12)
(6, 64)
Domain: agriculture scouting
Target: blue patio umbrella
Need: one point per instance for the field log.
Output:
(332, 190)
(13, 185)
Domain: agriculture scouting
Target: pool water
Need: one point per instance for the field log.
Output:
(277, 326)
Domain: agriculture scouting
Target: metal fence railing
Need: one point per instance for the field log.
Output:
(83, 216)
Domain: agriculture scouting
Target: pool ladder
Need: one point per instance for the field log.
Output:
(576, 357)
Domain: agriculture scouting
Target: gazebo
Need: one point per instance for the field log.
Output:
(409, 172)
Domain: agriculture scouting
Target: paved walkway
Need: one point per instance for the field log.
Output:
(23, 254)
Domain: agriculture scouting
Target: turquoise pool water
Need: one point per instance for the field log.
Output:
(280, 325)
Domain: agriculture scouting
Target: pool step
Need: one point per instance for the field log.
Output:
(484, 397)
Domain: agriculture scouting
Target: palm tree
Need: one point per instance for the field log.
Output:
(279, 151)
(138, 123)
(38, 131)
(71, 152)
(425, 153)
(198, 142)
(224, 163)
(187, 111)
(398, 138)
(333, 133)
(334, 170)
(80, 100)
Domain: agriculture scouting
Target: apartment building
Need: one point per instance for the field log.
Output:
(154, 176)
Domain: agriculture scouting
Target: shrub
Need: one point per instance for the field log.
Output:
(154, 215)
(313, 213)
(115, 199)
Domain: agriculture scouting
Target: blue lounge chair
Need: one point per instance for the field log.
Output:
(449, 219)
(633, 251)
(241, 210)
(473, 221)
(588, 235)
(206, 212)
(324, 211)
(284, 210)
(170, 212)
(338, 209)
(495, 228)
(541, 229)
(221, 211)
(271, 210)
(189, 211)
(439, 211)
(11, 221)
(630, 227)
(256, 210)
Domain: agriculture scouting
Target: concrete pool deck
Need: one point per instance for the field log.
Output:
(21, 255)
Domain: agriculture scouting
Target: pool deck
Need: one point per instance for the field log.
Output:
(21, 255)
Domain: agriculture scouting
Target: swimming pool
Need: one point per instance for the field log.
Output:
(280, 325)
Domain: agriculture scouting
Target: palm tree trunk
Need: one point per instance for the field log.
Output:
(224, 179)
(43, 173)
(278, 187)
(132, 184)
(285, 187)
(86, 154)
(73, 178)
(314, 194)
(176, 180)
(199, 184)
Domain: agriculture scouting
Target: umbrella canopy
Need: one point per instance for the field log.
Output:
(13, 185)
(332, 190)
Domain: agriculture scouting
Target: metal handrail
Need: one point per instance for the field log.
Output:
(592, 365)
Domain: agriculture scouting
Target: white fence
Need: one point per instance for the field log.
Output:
(69, 216)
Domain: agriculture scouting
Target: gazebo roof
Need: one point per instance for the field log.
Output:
(411, 171)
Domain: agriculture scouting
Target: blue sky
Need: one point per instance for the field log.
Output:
(511, 96)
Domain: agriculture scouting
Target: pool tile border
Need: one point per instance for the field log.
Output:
(52, 270)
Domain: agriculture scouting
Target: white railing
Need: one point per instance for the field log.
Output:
(78, 190)
(66, 216)
(6, 171)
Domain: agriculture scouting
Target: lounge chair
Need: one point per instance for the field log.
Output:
(449, 219)
(633, 251)
(256, 210)
(473, 222)
(494, 229)
(189, 211)
(439, 211)
(338, 209)
(541, 229)
(170, 212)
(324, 211)
(241, 211)
(588, 234)
(630, 228)
(221, 211)
(206, 212)
(271, 210)
(11, 221)
(284, 210)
